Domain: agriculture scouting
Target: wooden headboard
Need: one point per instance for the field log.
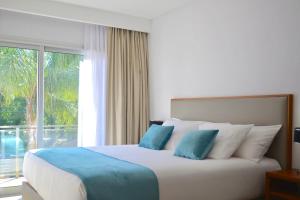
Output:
(259, 110)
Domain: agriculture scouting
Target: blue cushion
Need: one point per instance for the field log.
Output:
(196, 144)
(156, 137)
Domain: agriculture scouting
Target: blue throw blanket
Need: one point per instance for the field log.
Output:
(104, 177)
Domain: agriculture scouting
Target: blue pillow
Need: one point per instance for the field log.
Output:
(196, 144)
(156, 137)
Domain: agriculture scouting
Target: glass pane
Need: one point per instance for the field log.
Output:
(61, 81)
(18, 94)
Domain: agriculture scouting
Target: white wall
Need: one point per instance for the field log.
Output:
(232, 47)
(19, 27)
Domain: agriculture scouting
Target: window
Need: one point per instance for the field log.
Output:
(38, 102)
(18, 95)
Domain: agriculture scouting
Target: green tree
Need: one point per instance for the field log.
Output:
(18, 79)
(61, 88)
(13, 113)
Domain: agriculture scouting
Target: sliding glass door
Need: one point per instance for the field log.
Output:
(38, 103)
(61, 81)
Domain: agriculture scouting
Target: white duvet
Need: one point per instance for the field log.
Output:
(178, 178)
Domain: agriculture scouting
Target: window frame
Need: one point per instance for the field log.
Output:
(41, 49)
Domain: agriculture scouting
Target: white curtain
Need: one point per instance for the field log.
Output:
(92, 88)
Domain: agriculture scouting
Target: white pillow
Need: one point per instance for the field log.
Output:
(180, 129)
(228, 139)
(257, 142)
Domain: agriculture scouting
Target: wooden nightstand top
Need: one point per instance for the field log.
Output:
(286, 175)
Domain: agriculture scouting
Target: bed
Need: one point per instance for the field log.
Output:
(180, 178)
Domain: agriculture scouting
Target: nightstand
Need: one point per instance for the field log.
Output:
(157, 122)
(283, 184)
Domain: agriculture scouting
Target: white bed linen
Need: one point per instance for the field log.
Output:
(179, 178)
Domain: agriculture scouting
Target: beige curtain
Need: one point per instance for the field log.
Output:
(127, 96)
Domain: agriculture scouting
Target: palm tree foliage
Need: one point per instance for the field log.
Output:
(61, 88)
(18, 81)
(18, 87)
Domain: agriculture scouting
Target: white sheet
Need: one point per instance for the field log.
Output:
(179, 178)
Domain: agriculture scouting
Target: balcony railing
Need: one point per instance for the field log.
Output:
(16, 140)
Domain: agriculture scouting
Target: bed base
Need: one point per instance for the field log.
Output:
(29, 193)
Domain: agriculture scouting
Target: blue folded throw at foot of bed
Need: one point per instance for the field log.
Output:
(104, 177)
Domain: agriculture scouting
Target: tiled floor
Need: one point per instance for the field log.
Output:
(11, 187)
(11, 182)
(12, 198)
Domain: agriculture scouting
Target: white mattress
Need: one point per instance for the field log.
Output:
(178, 178)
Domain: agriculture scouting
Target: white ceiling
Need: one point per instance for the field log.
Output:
(141, 8)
